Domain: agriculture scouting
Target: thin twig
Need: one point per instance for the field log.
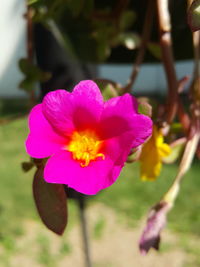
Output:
(141, 52)
(168, 59)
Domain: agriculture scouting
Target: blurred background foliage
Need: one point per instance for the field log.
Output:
(96, 31)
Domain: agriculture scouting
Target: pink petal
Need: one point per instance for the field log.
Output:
(42, 140)
(120, 105)
(119, 116)
(139, 126)
(113, 126)
(142, 128)
(88, 102)
(99, 174)
(118, 148)
(58, 109)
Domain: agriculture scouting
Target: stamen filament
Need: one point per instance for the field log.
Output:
(85, 147)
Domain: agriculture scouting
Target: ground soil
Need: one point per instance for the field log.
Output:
(117, 246)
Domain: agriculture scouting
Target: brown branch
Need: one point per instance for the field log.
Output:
(168, 59)
(195, 86)
(141, 52)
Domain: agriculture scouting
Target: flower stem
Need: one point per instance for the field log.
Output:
(81, 202)
(184, 166)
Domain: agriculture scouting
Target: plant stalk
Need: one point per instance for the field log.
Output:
(81, 202)
(168, 59)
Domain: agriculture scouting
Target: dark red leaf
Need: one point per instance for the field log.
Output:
(51, 203)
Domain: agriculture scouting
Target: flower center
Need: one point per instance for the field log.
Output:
(85, 147)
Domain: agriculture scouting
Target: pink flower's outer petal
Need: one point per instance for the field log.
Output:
(88, 102)
(142, 129)
(120, 115)
(138, 125)
(120, 105)
(58, 109)
(63, 169)
(89, 94)
(42, 140)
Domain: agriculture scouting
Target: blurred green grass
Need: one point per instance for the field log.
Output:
(129, 197)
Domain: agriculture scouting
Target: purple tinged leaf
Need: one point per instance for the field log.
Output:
(155, 223)
(51, 203)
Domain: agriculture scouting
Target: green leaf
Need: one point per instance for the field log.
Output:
(50, 200)
(32, 74)
(144, 107)
(27, 84)
(75, 6)
(176, 127)
(24, 65)
(154, 49)
(31, 71)
(103, 50)
(108, 88)
(129, 40)
(88, 7)
(194, 15)
(31, 2)
(176, 150)
(127, 19)
(134, 155)
(27, 166)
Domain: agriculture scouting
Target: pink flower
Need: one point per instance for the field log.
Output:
(88, 140)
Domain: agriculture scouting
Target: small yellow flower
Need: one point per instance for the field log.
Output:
(151, 156)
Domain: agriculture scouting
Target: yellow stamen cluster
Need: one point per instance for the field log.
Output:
(85, 147)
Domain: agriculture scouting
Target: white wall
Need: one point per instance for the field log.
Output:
(151, 77)
(12, 46)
